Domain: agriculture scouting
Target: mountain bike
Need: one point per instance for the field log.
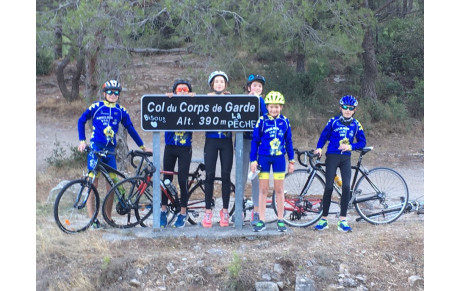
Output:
(140, 188)
(379, 195)
(71, 205)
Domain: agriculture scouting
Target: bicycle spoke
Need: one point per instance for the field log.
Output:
(381, 196)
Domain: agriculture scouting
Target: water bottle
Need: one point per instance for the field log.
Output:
(338, 181)
(252, 175)
(171, 188)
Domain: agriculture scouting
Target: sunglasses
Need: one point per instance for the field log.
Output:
(345, 107)
(110, 92)
(183, 89)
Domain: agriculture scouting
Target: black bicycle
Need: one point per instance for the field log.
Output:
(74, 211)
(133, 197)
(379, 195)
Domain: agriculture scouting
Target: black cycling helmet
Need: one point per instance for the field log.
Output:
(111, 85)
(178, 82)
(258, 78)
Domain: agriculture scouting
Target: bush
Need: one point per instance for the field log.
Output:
(59, 157)
(43, 63)
(415, 100)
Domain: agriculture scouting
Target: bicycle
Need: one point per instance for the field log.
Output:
(71, 204)
(379, 195)
(140, 186)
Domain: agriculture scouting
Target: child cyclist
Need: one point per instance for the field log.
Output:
(340, 131)
(255, 85)
(217, 143)
(178, 147)
(272, 139)
(106, 117)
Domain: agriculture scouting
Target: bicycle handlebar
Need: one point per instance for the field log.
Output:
(137, 153)
(310, 156)
(103, 153)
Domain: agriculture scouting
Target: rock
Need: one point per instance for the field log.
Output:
(415, 281)
(134, 283)
(170, 268)
(266, 277)
(55, 191)
(277, 268)
(214, 251)
(304, 284)
(266, 286)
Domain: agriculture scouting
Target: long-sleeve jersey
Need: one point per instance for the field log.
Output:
(263, 110)
(106, 118)
(178, 138)
(338, 133)
(272, 137)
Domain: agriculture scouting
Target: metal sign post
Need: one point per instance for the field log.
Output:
(237, 113)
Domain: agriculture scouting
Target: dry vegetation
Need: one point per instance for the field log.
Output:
(374, 257)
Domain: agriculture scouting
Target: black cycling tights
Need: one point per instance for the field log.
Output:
(183, 154)
(223, 148)
(334, 161)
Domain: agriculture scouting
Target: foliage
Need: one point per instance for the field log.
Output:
(59, 157)
(43, 62)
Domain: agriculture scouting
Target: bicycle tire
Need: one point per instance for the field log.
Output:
(391, 201)
(122, 202)
(196, 205)
(301, 210)
(69, 218)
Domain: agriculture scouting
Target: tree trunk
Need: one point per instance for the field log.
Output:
(74, 93)
(370, 67)
(58, 42)
(300, 63)
(122, 149)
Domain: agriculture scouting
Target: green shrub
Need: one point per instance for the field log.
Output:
(415, 100)
(59, 157)
(43, 63)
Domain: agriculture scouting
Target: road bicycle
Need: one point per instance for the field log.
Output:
(71, 205)
(379, 195)
(140, 187)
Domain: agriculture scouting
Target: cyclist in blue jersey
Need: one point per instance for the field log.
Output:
(178, 147)
(106, 117)
(340, 132)
(255, 85)
(217, 143)
(272, 139)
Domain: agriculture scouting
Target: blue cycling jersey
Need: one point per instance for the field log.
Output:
(338, 133)
(106, 118)
(263, 110)
(178, 138)
(272, 137)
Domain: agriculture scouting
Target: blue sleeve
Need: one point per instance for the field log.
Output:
(82, 122)
(360, 138)
(323, 138)
(263, 107)
(127, 123)
(256, 136)
(288, 142)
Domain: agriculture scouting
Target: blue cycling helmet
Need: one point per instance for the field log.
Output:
(217, 73)
(178, 82)
(348, 100)
(258, 78)
(111, 85)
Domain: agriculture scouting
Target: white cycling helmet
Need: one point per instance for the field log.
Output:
(217, 73)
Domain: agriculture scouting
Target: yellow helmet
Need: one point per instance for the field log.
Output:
(274, 97)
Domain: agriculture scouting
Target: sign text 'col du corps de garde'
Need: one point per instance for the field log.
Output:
(199, 113)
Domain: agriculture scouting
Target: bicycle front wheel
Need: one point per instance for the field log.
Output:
(73, 205)
(196, 205)
(303, 199)
(381, 196)
(128, 203)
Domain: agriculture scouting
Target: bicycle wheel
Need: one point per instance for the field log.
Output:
(71, 206)
(302, 206)
(382, 196)
(121, 205)
(196, 205)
